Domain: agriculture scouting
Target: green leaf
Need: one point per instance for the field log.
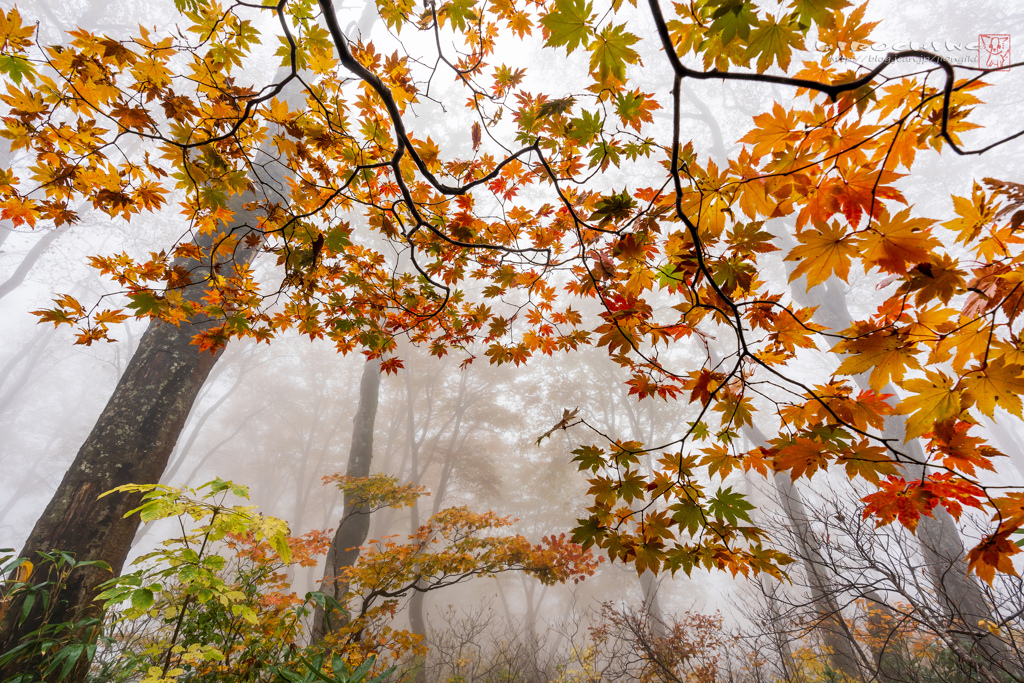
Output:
(337, 240)
(699, 430)
(145, 304)
(71, 655)
(731, 19)
(460, 12)
(730, 506)
(17, 67)
(632, 486)
(611, 53)
(586, 127)
(613, 207)
(555, 107)
(589, 458)
(289, 676)
(568, 24)
(588, 532)
(142, 599)
(677, 560)
(26, 606)
(603, 154)
(688, 515)
(633, 108)
(821, 12)
(214, 562)
(380, 678)
(773, 41)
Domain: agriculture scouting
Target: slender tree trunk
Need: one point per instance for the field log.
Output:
(843, 652)
(779, 629)
(33, 256)
(417, 622)
(355, 521)
(33, 352)
(779, 633)
(649, 586)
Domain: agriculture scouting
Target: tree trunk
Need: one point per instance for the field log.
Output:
(940, 539)
(33, 255)
(961, 597)
(131, 443)
(33, 352)
(844, 654)
(355, 521)
(652, 604)
(417, 622)
(779, 632)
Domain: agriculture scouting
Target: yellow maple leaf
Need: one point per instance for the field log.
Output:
(934, 399)
(886, 355)
(998, 384)
(972, 215)
(824, 251)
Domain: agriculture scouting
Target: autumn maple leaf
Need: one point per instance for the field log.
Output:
(897, 242)
(932, 400)
(824, 251)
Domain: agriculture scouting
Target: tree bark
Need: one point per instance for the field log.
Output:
(131, 443)
(355, 521)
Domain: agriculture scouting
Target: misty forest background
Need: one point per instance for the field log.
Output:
(279, 418)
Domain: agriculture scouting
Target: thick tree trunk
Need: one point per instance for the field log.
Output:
(355, 521)
(131, 443)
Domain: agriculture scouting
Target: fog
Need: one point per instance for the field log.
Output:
(278, 417)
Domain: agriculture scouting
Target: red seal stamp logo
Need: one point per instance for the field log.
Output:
(994, 50)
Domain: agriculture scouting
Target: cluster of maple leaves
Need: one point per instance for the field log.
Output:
(507, 239)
